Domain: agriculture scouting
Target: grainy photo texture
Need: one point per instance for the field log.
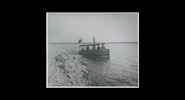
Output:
(92, 50)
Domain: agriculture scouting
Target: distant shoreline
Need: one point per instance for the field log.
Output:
(91, 42)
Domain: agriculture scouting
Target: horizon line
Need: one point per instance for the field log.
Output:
(88, 42)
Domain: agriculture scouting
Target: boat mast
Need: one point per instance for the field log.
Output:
(94, 42)
(93, 39)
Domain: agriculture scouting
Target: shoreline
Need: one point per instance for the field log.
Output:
(67, 70)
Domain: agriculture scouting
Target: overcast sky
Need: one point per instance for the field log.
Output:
(105, 27)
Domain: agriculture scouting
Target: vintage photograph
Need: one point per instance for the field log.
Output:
(92, 50)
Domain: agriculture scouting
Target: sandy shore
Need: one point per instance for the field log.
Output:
(67, 70)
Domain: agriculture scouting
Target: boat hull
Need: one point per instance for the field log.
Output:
(99, 53)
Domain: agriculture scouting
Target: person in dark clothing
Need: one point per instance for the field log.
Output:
(98, 48)
(102, 47)
(87, 48)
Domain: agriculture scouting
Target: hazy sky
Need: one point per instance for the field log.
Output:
(70, 27)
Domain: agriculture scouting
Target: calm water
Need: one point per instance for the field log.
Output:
(120, 70)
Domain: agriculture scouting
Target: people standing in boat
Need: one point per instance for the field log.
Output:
(98, 48)
(87, 48)
(102, 47)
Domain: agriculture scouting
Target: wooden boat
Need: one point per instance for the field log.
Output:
(94, 49)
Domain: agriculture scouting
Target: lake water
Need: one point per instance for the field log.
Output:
(121, 69)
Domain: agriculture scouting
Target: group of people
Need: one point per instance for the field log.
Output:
(98, 48)
(102, 47)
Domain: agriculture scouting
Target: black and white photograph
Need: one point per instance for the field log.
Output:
(92, 49)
